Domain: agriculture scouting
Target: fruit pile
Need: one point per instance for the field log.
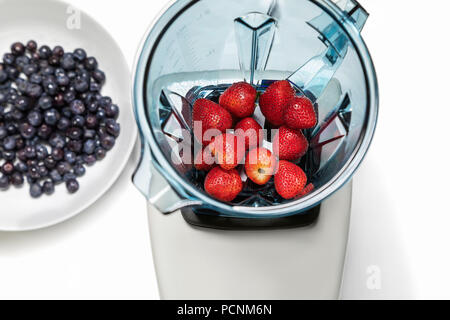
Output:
(224, 150)
(53, 119)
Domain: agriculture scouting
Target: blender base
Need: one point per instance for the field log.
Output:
(299, 263)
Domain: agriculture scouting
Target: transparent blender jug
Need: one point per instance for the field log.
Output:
(258, 246)
(198, 48)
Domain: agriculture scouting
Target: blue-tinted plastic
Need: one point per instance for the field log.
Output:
(197, 48)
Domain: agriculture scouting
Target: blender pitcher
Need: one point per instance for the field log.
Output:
(259, 246)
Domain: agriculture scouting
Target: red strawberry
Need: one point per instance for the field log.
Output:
(300, 114)
(224, 185)
(251, 131)
(290, 144)
(239, 99)
(260, 165)
(274, 101)
(228, 150)
(204, 160)
(307, 190)
(290, 180)
(211, 116)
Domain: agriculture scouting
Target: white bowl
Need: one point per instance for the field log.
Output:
(57, 23)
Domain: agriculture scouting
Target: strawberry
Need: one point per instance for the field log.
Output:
(204, 160)
(260, 165)
(290, 144)
(290, 180)
(228, 150)
(274, 101)
(307, 190)
(251, 131)
(211, 116)
(300, 114)
(224, 185)
(239, 99)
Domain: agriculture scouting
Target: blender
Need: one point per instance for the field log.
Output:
(259, 246)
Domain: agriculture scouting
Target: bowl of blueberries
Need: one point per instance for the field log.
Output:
(66, 122)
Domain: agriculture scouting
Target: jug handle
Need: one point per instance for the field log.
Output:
(154, 186)
(353, 11)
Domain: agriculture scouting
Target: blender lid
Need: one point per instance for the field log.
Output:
(197, 48)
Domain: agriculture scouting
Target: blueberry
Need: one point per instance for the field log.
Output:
(75, 146)
(35, 190)
(34, 90)
(101, 113)
(8, 58)
(51, 117)
(27, 130)
(57, 154)
(69, 96)
(30, 152)
(13, 73)
(41, 152)
(91, 121)
(94, 86)
(43, 172)
(31, 46)
(58, 51)
(7, 168)
(78, 121)
(81, 85)
(22, 61)
(44, 131)
(9, 143)
(79, 54)
(72, 186)
(91, 63)
(99, 76)
(105, 102)
(77, 107)
(3, 132)
(45, 52)
(89, 159)
(79, 170)
(62, 80)
(74, 133)
(90, 134)
(12, 128)
(63, 123)
(112, 111)
(17, 179)
(89, 146)
(17, 49)
(35, 118)
(59, 99)
(68, 62)
(50, 85)
(69, 176)
(3, 76)
(21, 155)
(112, 127)
(36, 78)
(21, 167)
(4, 182)
(30, 69)
(50, 162)
(57, 141)
(23, 103)
(55, 176)
(9, 155)
(92, 106)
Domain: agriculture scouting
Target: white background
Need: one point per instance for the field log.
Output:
(400, 221)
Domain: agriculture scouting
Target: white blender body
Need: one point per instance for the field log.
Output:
(259, 246)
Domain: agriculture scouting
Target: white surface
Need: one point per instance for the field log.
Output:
(400, 206)
(200, 263)
(21, 212)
